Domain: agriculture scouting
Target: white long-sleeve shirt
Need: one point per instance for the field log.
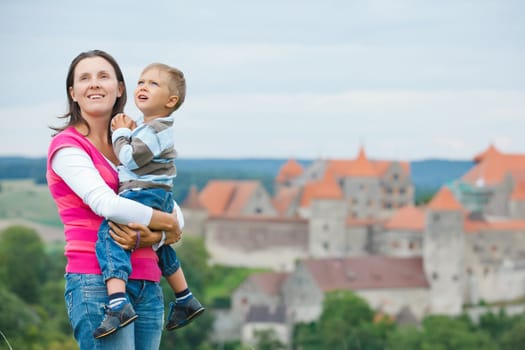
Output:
(77, 170)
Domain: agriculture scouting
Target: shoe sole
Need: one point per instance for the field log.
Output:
(189, 319)
(122, 325)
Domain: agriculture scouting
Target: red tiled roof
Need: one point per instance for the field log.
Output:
(367, 272)
(284, 199)
(383, 165)
(326, 188)
(269, 282)
(243, 192)
(362, 166)
(491, 151)
(289, 170)
(518, 194)
(216, 195)
(226, 197)
(493, 166)
(445, 200)
(192, 199)
(407, 218)
(474, 227)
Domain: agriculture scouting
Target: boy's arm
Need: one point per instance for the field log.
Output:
(138, 149)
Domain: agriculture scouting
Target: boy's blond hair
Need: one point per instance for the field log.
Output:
(176, 84)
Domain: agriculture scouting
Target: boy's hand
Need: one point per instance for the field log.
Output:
(122, 121)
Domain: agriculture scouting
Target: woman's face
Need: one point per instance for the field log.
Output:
(95, 87)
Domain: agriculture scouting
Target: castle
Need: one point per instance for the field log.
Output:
(352, 224)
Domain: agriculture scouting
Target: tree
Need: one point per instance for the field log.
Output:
(193, 257)
(442, 332)
(22, 258)
(307, 336)
(267, 340)
(343, 313)
(514, 338)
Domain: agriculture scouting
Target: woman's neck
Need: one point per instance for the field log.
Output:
(98, 135)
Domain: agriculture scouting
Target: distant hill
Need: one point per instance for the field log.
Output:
(428, 175)
(433, 173)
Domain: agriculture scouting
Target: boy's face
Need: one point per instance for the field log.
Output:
(152, 95)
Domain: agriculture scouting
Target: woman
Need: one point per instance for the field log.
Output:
(82, 179)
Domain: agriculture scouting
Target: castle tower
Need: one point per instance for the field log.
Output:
(443, 253)
(328, 212)
(288, 174)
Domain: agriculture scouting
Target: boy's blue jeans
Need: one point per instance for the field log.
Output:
(115, 261)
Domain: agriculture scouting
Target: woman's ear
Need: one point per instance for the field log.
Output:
(120, 89)
(72, 94)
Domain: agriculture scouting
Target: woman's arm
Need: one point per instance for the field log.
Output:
(76, 168)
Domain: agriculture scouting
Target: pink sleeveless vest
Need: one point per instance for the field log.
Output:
(80, 222)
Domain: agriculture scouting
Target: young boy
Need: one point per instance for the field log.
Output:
(146, 173)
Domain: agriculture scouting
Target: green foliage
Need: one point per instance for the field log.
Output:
(405, 338)
(442, 332)
(514, 336)
(223, 280)
(16, 317)
(343, 313)
(193, 257)
(346, 321)
(23, 261)
(267, 340)
(192, 337)
(307, 336)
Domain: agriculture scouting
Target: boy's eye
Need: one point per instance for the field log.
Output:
(154, 83)
(140, 82)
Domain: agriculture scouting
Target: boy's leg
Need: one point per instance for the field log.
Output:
(186, 307)
(116, 266)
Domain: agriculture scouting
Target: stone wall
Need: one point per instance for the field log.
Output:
(256, 242)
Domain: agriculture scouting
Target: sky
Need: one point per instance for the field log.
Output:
(405, 79)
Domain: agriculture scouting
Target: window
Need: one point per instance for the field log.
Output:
(434, 275)
(326, 245)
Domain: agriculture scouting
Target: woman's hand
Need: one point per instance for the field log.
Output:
(167, 223)
(133, 236)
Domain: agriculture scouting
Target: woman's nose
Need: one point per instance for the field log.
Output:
(94, 83)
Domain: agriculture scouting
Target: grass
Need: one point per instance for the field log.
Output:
(23, 199)
(230, 278)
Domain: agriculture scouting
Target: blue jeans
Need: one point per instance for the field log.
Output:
(115, 261)
(86, 297)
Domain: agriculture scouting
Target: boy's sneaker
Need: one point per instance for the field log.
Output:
(115, 319)
(182, 314)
